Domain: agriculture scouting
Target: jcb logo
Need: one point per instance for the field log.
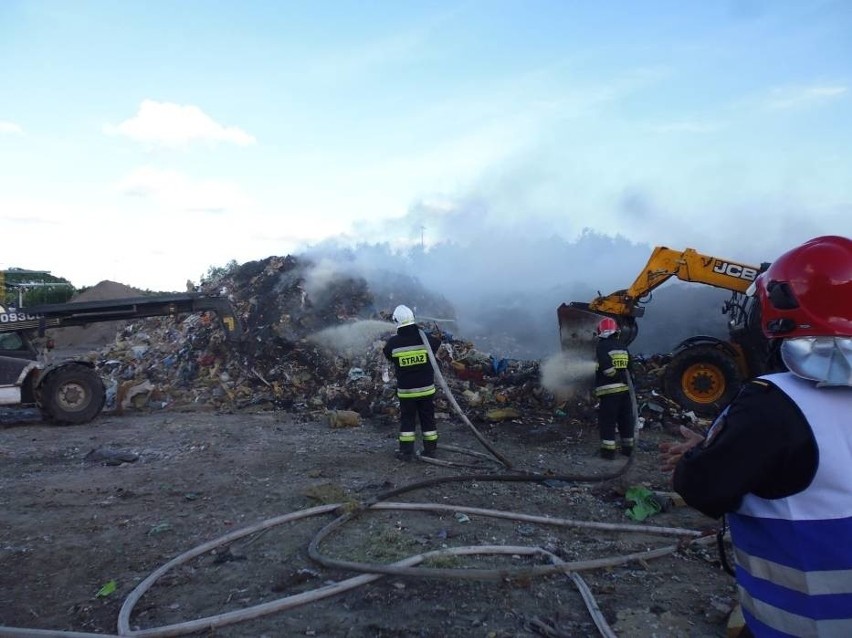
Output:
(735, 270)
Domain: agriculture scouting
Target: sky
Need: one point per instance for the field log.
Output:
(145, 142)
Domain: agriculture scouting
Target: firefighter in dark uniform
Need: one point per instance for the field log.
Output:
(415, 381)
(615, 409)
(777, 463)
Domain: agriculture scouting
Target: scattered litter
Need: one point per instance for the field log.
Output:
(108, 588)
(319, 351)
(109, 456)
(344, 419)
(159, 528)
(645, 503)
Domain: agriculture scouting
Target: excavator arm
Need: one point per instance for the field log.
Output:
(48, 316)
(576, 317)
(665, 263)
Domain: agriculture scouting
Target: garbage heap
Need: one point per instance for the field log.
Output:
(312, 348)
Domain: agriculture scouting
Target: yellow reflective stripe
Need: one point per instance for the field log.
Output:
(417, 346)
(619, 358)
(406, 437)
(432, 435)
(608, 445)
(414, 393)
(611, 388)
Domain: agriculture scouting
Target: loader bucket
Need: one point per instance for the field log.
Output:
(577, 329)
(574, 368)
(577, 325)
(577, 363)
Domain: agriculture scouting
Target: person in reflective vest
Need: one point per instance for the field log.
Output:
(778, 461)
(415, 381)
(615, 409)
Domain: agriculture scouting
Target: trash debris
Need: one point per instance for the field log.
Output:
(108, 456)
(502, 414)
(344, 419)
(159, 528)
(645, 503)
(108, 588)
(316, 349)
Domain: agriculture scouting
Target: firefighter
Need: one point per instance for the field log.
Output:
(615, 409)
(777, 463)
(415, 380)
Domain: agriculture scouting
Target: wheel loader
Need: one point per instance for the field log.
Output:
(704, 373)
(70, 391)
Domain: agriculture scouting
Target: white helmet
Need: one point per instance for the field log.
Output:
(402, 316)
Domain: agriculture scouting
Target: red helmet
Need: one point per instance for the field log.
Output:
(807, 291)
(606, 327)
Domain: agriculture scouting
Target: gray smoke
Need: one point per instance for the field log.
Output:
(352, 340)
(502, 294)
(567, 374)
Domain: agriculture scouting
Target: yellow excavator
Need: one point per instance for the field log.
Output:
(704, 372)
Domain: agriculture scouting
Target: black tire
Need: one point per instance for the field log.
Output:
(703, 379)
(71, 395)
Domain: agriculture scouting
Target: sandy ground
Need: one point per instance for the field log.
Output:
(77, 521)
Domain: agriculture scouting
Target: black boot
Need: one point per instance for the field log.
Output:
(607, 454)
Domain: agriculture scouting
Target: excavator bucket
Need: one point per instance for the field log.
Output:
(577, 330)
(577, 326)
(574, 369)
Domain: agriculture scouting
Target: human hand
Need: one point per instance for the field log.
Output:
(672, 451)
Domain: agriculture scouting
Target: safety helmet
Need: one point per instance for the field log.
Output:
(403, 316)
(606, 327)
(807, 291)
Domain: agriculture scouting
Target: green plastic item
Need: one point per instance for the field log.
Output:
(107, 589)
(645, 503)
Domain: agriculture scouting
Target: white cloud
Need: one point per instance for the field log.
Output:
(804, 96)
(176, 125)
(174, 191)
(10, 128)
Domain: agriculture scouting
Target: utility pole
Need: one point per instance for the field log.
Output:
(422, 243)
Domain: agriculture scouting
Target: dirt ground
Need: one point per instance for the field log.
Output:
(76, 520)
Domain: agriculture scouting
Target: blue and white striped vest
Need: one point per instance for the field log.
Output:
(794, 554)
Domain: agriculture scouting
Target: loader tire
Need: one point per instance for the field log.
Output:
(702, 379)
(72, 395)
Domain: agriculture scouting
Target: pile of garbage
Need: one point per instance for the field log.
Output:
(313, 346)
